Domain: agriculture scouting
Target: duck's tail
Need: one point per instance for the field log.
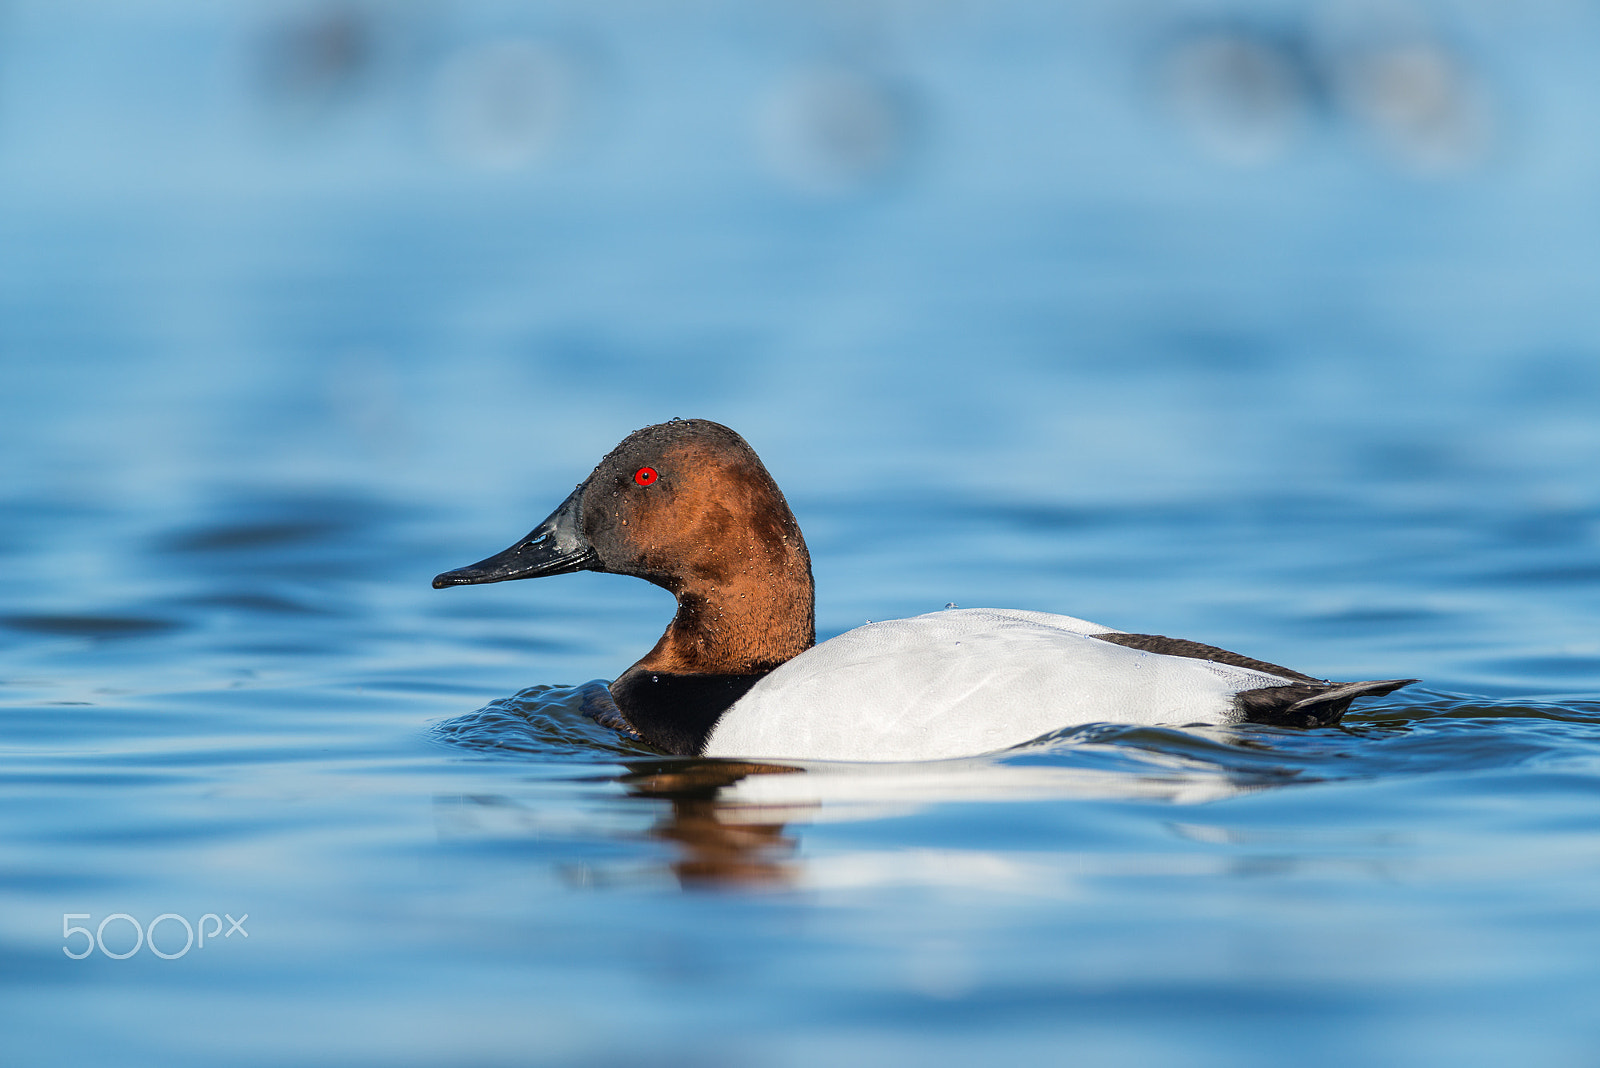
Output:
(1310, 704)
(1344, 692)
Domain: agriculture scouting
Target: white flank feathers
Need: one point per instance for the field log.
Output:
(967, 681)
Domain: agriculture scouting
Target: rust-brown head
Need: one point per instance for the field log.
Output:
(688, 506)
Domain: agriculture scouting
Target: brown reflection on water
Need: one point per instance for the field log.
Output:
(717, 848)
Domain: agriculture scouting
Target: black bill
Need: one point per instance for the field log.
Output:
(555, 547)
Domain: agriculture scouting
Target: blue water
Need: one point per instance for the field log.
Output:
(1274, 327)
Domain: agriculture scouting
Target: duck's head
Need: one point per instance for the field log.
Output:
(688, 506)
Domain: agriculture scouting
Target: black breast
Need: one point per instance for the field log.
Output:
(676, 712)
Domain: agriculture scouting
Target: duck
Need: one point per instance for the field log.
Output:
(738, 673)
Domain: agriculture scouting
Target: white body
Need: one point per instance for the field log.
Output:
(967, 681)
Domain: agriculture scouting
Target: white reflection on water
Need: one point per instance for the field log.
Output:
(730, 824)
(839, 792)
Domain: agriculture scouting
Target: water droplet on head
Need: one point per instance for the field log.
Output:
(952, 604)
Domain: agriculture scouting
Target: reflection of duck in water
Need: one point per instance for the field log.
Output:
(736, 825)
(718, 844)
(689, 506)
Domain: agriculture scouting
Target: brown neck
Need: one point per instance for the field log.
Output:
(747, 624)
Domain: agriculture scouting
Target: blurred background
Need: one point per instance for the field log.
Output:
(1099, 249)
(272, 256)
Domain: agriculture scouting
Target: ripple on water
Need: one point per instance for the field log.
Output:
(89, 626)
(234, 537)
(1429, 733)
(257, 602)
(543, 721)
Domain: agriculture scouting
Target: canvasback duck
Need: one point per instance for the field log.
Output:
(688, 506)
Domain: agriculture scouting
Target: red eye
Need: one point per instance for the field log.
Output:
(645, 475)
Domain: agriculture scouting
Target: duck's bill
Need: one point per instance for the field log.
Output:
(555, 547)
